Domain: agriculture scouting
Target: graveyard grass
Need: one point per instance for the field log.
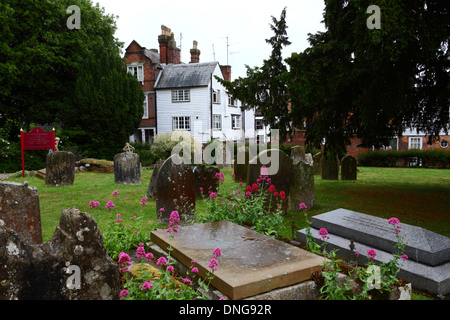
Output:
(415, 196)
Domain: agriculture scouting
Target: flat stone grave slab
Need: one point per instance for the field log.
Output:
(422, 245)
(251, 263)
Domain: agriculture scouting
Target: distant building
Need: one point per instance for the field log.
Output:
(180, 96)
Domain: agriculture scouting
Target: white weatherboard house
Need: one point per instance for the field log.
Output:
(188, 97)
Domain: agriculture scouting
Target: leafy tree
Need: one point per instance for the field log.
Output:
(373, 83)
(264, 87)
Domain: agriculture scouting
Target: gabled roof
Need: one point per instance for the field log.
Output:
(153, 56)
(185, 75)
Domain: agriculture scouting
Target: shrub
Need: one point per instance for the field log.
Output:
(391, 158)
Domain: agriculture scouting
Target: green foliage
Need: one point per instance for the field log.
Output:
(429, 158)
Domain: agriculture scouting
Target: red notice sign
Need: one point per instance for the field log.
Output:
(36, 139)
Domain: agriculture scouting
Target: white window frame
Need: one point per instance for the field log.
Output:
(216, 96)
(261, 124)
(181, 123)
(181, 95)
(232, 102)
(145, 115)
(412, 143)
(217, 122)
(235, 121)
(137, 71)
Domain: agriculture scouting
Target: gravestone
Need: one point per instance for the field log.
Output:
(73, 265)
(151, 190)
(428, 263)
(251, 263)
(348, 168)
(281, 178)
(175, 191)
(19, 209)
(329, 167)
(240, 166)
(317, 163)
(205, 178)
(127, 168)
(302, 180)
(60, 169)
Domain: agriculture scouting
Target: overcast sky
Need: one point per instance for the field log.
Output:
(246, 24)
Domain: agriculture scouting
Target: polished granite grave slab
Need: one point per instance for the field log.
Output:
(251, 263)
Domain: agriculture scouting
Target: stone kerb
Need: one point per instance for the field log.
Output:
(19, 209)
(60, 169)
(127, 168)
(175, 191)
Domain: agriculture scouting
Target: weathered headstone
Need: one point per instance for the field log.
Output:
(251, 263)
(348, 168)
(151, 190)
(205, 178)
(73, 265)
(281, 178)
(175, 191)
(60, 169)
(19, 209)
(330, 167)
(302, 181)
(240, 166)
(127, 168)
(298, 152)
(317, 163)
(428, 263)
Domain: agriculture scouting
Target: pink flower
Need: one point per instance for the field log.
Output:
(201, 189)
(187, 281)
(217, 253)
(123, 293)
(213, 195)
(192, 262)
(140, 252)
(161, 210)
(133, 218)
(149, 256)
(110, 205)
(161, 262)
(248, 193)
(233, 175)
(393, 221)
(371, 253)
(404, 257)
(124, 258)
(220, 176)
(143, 202)
(282, 195)
(170, 269)
(213, 264)
(115, 193)
(272, 188)
(174, 217)
(356, 254)
(146, 286)
(194, 270)
(302, 207)
(323, 233)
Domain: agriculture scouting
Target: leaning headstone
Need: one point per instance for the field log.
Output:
(302, 181)
(280, 178)
(151, 190)
(175, 191)
(205, 180)
(60, 169)
(348, 168)
(317, 163)
(330, 167)
(428, 263)
(19, 209)
(127, 168)
(73, 265)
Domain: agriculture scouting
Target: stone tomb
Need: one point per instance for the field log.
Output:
(251, 263)
(428, 264)
(19, 209)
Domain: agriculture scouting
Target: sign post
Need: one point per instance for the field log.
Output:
(36, 139)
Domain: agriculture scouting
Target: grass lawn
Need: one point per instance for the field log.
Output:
(415, 196)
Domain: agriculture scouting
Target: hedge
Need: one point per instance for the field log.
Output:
(428, 158)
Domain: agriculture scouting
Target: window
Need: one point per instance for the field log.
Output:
(145, 115)
(236, 121)
(415, 143)
(181, 123)
(444, 144)
(217, 122)
(137, 71)
(181, 95)
(259, 125)
(216, 96)
(231, 101)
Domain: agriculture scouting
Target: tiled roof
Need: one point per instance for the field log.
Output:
(185, 75)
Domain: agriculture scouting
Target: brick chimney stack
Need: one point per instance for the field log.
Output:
(226, 72)
(195, 53)
(169, 53)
